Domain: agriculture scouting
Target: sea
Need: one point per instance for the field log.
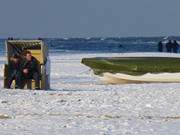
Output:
(79, 102)
(99, 44)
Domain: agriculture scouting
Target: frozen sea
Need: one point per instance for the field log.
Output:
(78, 103)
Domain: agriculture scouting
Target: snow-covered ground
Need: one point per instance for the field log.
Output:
(80, 104)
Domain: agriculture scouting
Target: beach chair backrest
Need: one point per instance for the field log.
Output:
(36, 47)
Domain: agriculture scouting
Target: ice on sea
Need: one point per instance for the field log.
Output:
(80, 104)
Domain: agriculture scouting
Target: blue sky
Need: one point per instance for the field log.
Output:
(89, 18)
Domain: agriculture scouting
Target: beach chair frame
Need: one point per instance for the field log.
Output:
(39, 51)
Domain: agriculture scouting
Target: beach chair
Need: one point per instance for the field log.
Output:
(39, 51)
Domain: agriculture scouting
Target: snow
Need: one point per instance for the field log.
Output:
(80, 104)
